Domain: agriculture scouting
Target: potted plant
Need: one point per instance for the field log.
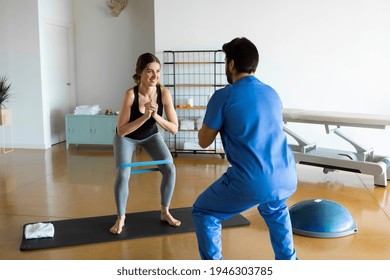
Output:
(5, 114)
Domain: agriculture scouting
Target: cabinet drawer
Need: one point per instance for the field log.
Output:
(77, 129)
(101, 130)
(90, 129)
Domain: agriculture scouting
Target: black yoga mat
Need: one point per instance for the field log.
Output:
(92, 230)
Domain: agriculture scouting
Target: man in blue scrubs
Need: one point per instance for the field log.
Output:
(248, 116)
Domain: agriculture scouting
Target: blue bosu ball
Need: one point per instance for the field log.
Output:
(321, 218)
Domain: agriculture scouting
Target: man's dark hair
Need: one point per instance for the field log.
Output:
(244, 53)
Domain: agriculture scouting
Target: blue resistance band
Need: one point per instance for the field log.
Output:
(144, 163)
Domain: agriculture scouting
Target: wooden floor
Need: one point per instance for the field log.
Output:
(55, 184)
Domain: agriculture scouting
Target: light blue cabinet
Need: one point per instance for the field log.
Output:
(90, 129)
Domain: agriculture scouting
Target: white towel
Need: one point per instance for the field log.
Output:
(87, 110)
(39, 230)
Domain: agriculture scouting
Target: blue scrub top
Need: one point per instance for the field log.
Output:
(248, 115)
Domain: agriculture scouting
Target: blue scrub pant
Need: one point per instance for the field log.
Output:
(219, 202)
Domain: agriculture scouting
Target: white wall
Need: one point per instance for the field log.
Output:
(322, 55)
(20, 61)
(107, 48)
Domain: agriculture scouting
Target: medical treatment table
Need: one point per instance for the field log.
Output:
(362, 160)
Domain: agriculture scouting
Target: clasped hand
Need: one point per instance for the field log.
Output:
(150, 109)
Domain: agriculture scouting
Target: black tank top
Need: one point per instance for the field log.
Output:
(149, 127)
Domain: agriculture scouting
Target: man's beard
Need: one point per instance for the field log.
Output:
(229, 75)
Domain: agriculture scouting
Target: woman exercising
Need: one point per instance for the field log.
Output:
(141, 111)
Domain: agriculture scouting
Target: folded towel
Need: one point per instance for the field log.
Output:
(39, 230)
(87, 110)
